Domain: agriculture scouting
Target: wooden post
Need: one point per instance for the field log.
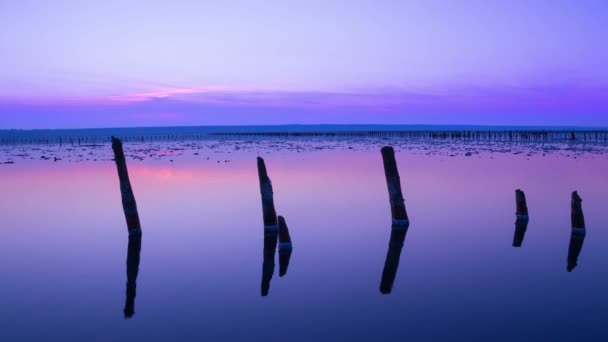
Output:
(128, 199)
(133, 252)
(270, 214)
(521, 206)
(578, 232)
(398, 212)
(270, 227)
(521, 223)
(285, 247)
(577, 217)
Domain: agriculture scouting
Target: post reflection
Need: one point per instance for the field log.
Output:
(285, 247)
(270, 247)
(391, 264)
(520, 232)
(133, 253)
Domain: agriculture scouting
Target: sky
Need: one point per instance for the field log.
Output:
(80, 64)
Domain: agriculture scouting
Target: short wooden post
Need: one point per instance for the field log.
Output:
(128, 199)
(398, 212)
(578, 232)
(577, 217)
(521, 206)
(285, 247)
(270, 227)
(521, 223)
(133, 252)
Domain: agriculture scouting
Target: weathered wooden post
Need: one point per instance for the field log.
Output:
(270, 227)
(285, 247)
(521, 206)
(133, 252)
(128, 199)
(578, 232)
(400, 221)
(521, 223)
(133, 225)
(270, 214)
(398, 212)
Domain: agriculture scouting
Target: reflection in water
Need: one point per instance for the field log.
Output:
(391, 264)
(270, 246)
(133, 252)
(577, 235)
(521, 225)
(285, 246)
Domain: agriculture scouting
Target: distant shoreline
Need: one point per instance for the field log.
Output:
(292, 128)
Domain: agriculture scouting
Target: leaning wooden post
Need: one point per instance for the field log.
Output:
(400, 221)
(128, 199)
(270, 227)
(285, 246)
(270, 214)
(521, 224)
(398, 212)
(578, 232)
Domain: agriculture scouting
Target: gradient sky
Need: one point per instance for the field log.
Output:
(70, 64)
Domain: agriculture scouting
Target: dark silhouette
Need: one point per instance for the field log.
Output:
(521, 205)
(520, 231)
(270, 227)
(578, 233)
(133, 253)
(133, 226)
(391, 264)
(128, 199)
(393, 182)
(400, 220)
(521, 224)
(270, 247)
(285, 247)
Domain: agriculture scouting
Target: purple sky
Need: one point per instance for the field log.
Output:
(70, 64)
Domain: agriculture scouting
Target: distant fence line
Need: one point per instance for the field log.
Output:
(453, 135)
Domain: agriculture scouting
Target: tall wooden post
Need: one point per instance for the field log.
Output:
(270, 227)
(285, 247)
(578, 232)
(128, 199)
(393, 182)
(269, 213)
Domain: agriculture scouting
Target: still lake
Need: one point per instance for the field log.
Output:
(64, 241)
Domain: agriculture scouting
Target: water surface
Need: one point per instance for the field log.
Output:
(64, 243)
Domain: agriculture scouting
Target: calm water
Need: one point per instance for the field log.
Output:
(63, 243)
